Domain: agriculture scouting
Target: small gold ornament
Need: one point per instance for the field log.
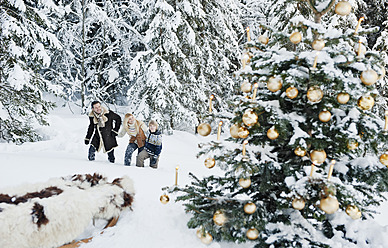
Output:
(263, 39)
(207, 239)
(245, 183)
(274, 84)
(250, 208)
(246, 87)
(234, 131)
(298, 203)
(204, 129)
(318, 156)
(252, 234)
(299, 151)
(366, 102)
(324, 116)
(343, 8)
(369, 77)
(243, 132)
(219, 218)
(329, 205)
(343, 97)
(352, 144)
(318, 45)
(314, 94)
(164, 199)
(292, 92)
(250, 117)
(384, 159)
(353, 212)
(296, 37)
(272, 133)
(210, 162)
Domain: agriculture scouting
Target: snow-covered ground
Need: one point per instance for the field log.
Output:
(150, 224)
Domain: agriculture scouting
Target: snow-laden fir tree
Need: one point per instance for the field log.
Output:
(24, 40)
(307, 161)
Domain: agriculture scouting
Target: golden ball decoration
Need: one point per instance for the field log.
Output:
(298, 203)
(250, 117)
(292, 92)
(210, 162)
(245, 182)
(352, 144)
(384, 159)
(204, 129)
(318, 45)
(274, 84)
(324, 116)
(219, 218)
(272, 133)
(299, 151)
(343, 8)
(252, 233)
(353, 212)
(234, 131)
(314, 94)
(164, 199)
(369, 77)
(207, 238)
(296, 37)
(246, 87)
(243, 132)
(250, 208)
(343, 98)
(263, 39)
(329, 205)
(318, 156)
(366, 102)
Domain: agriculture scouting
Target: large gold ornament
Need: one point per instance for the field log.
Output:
(324, 116)
(210, 162)
(343, 97)
(250, 208)
(384, 159)
(204, 129)
(296, 37)
(244, 182)
(272, 133)
(299, 151)
(329, 205)
(353, 212)
(318, 156)
(252, 234)
(164, 199)
(298, 203)
(250, 117)
(246, 87)
(207, 239)
(234, 131)
(263, 39)
(352, 144)
(292, 92)
(219, 218)
(318, 45)
(314, 94)
(366, 102)
(343, 8)
(274, 84)
(369, 77)
(243, 132)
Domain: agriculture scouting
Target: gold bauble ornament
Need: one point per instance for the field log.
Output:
(329, 205)
(245, 182)
(250, 208)
(210, 162)
(296, 37)
(234, 131)
(324, 116)
(219, 218)
(250, 117)
(353, 212)
(292, 92)
(274, 84)
(366, 102)
(369, 77)
(164, 199)
(318, 156)
(352, 144)
(343, 8)
(246, 87)
(272, 134)
(314, 94)
(207, 239)
(343, 97)
(384, 159)
(252, 234)
(318, 45)
(204, 129)
(263, 39)
(298, 203)
(299, 151)
(243, 132)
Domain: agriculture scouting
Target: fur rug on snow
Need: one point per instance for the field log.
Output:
(56, 212)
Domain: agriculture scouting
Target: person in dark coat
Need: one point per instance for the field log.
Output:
(104, 126)
(153, 146)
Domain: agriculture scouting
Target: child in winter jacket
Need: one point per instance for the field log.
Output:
(152, 147)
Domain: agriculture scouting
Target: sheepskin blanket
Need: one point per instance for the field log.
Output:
(56, 212)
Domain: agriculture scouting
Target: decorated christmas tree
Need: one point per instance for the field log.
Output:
(305, 165)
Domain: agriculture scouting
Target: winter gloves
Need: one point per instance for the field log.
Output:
(86, 142)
